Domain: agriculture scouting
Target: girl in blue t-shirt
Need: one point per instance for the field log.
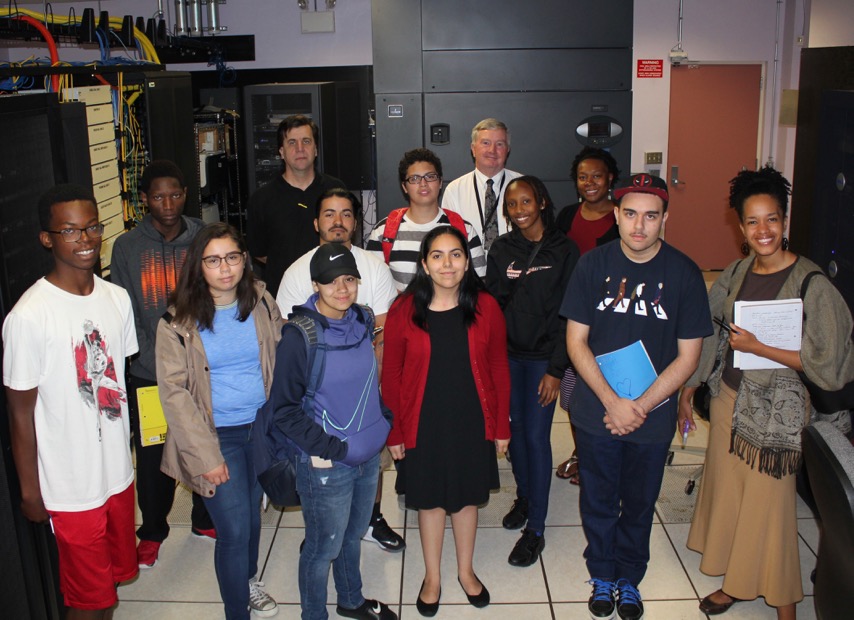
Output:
(215, 351)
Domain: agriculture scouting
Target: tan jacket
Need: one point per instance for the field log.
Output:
(192, 447)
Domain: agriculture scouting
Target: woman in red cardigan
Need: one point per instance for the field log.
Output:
(446, 379)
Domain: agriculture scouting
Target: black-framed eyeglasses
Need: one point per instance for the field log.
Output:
(415, 179)
(73, 235)
(232, 259)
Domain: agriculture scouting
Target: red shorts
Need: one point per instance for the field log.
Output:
(97, 550)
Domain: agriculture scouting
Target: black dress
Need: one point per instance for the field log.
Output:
(452, 465)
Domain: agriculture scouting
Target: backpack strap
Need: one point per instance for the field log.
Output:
(457, 221)
(805, 285)
(316, 356)
(167, 316)
(368, 318)
(392, 224)
(267, 307)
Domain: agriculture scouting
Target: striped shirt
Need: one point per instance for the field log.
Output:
(405, 250)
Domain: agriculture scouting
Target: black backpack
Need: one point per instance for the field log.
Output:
(825, 401)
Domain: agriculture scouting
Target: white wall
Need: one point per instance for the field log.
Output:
(831, 23)
(724, 31)
(279, 41)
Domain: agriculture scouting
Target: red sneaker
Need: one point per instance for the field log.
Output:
(146, 553)
(211, 533)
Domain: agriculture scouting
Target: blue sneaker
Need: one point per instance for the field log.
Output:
(601, 603)
(629, 603)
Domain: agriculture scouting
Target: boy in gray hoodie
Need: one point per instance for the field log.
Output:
(146, 262)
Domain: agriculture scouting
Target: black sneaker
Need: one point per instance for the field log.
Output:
(601, 603)
(629, 603)
(527, 549)
(380, 532)
(518, 515)
(369, 610)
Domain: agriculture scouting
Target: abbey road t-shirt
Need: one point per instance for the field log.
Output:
(657, 302)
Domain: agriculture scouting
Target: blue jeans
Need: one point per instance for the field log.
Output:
(620, 482)
(336, 505)
(530, 439)
(236, 513)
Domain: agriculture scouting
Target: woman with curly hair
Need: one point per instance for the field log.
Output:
(745, 523)
(589, 223)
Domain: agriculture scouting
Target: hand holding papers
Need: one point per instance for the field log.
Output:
(776, 323)
(628, 371)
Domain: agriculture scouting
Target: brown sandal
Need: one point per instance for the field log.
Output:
(568, 470)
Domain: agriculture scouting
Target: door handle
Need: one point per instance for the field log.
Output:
(674, 177)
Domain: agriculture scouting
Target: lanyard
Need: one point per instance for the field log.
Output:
(477, 195)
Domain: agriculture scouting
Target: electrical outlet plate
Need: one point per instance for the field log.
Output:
(652, 158)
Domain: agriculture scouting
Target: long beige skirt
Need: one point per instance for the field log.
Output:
(745, 523)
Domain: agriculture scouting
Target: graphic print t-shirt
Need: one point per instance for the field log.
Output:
(73, 349)
(656, 302)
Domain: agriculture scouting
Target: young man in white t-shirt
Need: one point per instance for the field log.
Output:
(337, 214)
(65, 344)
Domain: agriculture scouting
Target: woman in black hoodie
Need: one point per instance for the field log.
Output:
(527, 272)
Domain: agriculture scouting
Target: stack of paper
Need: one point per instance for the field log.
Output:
(776, 322)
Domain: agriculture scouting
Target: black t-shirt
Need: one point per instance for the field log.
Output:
(280, 223)
(656, 302)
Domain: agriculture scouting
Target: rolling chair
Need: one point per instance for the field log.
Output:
(829, 461)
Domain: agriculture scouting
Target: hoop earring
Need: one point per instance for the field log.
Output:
(785, 244)
(745, 249)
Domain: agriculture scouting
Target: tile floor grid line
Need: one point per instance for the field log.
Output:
(272, 542)
(681, 562)
(403, 566)
(806, 542)
(542, 565)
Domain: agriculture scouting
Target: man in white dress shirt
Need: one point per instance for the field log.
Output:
(479, 194)
(336, 215)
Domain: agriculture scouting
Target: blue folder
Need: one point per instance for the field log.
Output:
(628, 371)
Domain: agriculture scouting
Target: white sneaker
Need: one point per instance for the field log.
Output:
(261, 604)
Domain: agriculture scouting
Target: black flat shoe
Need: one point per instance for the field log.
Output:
(427, 609)
(711, 608)
(478, 600)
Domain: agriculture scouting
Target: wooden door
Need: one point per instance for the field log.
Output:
(714, 133)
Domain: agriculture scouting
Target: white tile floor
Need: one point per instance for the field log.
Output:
(183, 585)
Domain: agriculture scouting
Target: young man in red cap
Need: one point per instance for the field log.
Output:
(637, 288)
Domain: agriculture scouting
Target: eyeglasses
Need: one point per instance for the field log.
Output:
(415, 179)
(158, 198)
(73, 235)
(232, 260)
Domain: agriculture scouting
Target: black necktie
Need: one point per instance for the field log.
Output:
(490, 221)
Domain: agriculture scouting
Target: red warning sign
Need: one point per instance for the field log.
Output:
(650, 68)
